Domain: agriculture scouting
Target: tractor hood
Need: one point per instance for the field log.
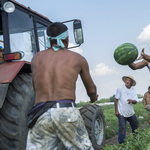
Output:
(9, 70)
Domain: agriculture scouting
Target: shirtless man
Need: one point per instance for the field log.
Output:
(147, 99)
(142, 64)
(54, 75)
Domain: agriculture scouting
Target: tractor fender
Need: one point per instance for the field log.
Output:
(8, 71)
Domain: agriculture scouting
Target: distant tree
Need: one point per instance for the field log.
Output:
(112, 98)
(97, 102)
(81, 103)
(140, 95)
(104, 100)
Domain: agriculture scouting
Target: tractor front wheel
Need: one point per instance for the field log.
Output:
(13, 115)
(95, 124)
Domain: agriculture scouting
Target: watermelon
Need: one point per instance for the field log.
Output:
(126, 54)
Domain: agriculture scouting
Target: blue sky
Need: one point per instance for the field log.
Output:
(106, 25)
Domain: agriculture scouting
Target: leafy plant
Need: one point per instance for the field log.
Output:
(139, 141)
(112, 121)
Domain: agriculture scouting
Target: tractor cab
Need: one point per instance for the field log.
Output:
(22, 35)
(23, 31)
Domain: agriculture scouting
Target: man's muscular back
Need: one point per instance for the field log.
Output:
(54, 75)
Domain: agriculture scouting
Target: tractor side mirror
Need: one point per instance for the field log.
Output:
(78, 33)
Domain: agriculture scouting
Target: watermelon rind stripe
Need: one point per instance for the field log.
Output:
(125, 54)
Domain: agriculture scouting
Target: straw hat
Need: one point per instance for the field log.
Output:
(124, 79)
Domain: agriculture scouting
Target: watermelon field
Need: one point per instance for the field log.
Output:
(138, 142)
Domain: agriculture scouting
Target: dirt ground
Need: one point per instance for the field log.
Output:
(114, 140)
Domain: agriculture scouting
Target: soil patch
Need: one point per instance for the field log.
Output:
(114, 139)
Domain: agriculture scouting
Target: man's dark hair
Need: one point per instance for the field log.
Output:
(148, 87)
(56, 29)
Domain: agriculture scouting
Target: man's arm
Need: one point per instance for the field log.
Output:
(144, 98)
(87, 80)
(116, 107)
(146, 57)
(139, 65)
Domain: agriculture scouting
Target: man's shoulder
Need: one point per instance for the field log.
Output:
(121, 87)
(37, 57)
(41, 54)
(132, 88)
(146, 93)
(76, 55)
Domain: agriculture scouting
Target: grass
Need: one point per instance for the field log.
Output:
(112, 121)
(140, 141)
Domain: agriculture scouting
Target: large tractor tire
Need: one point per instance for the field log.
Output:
(13, 115)
(95, 124)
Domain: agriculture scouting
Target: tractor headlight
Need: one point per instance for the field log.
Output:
(9, 7)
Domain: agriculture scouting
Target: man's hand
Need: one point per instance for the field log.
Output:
(142, 54)
(145, 107)
(141, 57)
(95, 98)
(117, 113)
(129, 101)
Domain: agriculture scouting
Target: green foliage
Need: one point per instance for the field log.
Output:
(140, 95)
(82, 103)
(112, 98)
(140, 141)
(97, 102)
(112, 121)
(104, 100)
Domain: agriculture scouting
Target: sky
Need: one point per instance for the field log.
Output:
(106, 25)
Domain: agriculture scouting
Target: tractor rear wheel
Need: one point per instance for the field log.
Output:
(13, 115)
(95, 124)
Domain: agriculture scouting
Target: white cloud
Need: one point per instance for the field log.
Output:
(77, 50)
(103, 70)
(144, 37)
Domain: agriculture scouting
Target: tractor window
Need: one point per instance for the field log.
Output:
(42, 36)
(21, 32)
(1, 33)
(1, 40)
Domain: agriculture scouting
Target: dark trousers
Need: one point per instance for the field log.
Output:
(134, 123)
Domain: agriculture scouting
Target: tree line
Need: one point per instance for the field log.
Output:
(103, 100)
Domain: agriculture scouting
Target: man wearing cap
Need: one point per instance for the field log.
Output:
(147, 105)
(124, 98)
(55, 118)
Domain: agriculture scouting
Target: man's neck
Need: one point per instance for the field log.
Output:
(128, 87)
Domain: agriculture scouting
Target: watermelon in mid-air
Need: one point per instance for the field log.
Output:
(125, 54)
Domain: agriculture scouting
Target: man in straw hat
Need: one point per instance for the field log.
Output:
(124, 98)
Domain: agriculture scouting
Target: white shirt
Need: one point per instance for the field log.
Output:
(123, 94)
